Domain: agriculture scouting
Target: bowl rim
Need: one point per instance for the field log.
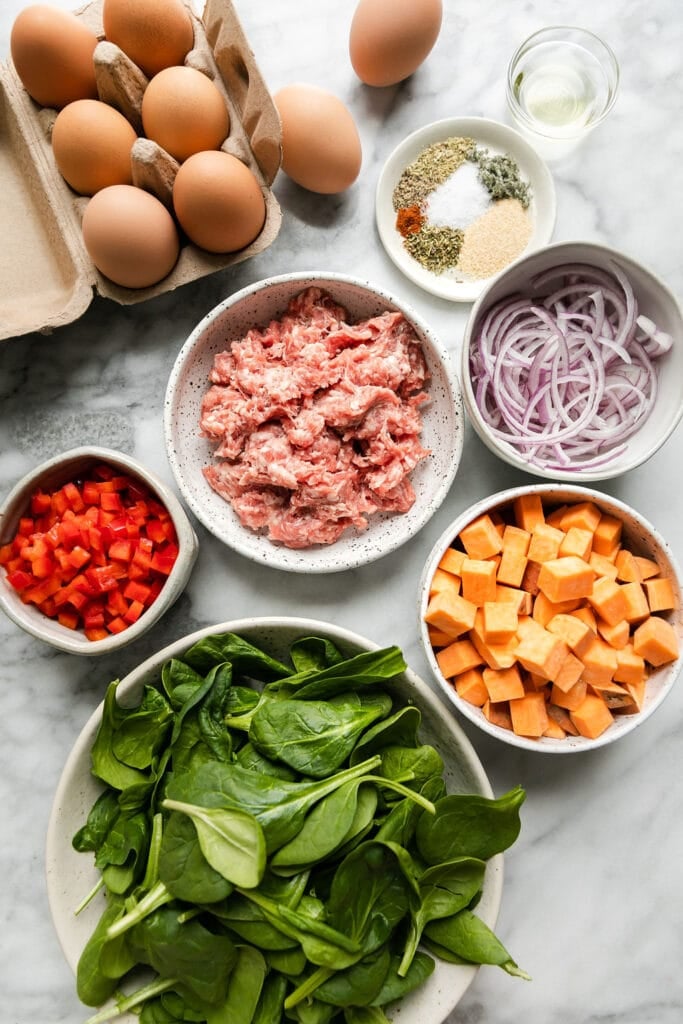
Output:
(138, 676)
(276, 556)
(73, 641)
(543, 745)
(506, 451)
(506, 137)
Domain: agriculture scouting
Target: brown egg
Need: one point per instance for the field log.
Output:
(52, 52)
(389, 39)
(218, 201)
(184, 112)
(155, 34)
(91, 143)
(321, 149)
(130, 236)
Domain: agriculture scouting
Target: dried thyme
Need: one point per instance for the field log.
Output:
(436, 248)
(500, 176)
(434, 165)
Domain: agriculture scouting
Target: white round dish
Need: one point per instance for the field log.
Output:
(655, 300)
(71, 875)
(189, 452)
(53, 474)
(643, 539)
(498, 139)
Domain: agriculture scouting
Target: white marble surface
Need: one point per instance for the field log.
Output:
(592, 904)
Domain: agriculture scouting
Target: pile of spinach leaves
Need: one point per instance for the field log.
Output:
(275, 843)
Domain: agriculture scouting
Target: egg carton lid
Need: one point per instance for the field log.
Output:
(47, 278)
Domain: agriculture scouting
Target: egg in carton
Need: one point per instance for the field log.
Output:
(46, 275)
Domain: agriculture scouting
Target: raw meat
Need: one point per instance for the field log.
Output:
(316, 421)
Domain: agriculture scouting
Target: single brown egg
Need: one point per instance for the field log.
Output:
(218, 201)
(389, 39)
(52, 52)
(155, 34)
(91, 143)
(184, 112)
(130, 236)
(321, 149)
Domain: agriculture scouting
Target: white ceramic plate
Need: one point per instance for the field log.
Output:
(189, 452)
(498, 139)
(71, 875)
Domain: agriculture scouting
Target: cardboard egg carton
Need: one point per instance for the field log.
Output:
(47, 278)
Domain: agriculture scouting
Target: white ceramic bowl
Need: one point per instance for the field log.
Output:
(53, 474)
(654, 300)
(499, 139)
(189, 452)
(640, 536)
(70, 875)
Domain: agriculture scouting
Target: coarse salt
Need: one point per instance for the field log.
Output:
(459, 200)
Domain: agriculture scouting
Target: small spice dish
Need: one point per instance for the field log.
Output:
(92, 562)
(191, 453)
(566, 425)
(610, 666)
(456, 219)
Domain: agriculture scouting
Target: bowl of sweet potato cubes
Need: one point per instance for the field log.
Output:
(551, 617)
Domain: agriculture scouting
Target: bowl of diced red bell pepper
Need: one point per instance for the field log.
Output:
(94, 549)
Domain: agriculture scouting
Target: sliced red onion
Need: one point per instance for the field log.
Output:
(566, 374)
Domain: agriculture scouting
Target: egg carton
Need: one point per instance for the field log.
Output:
(47, 278)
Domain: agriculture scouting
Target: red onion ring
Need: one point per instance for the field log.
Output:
(566, 374)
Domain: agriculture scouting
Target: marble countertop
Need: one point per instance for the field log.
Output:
(592, 904)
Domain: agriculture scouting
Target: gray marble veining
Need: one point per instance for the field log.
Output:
(592, 903)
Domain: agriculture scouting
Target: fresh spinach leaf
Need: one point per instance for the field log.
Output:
(184, 870)
(244, 989)
(359, 984)
(253, 760)
(399, 729)
(242, 655)
(102, 816)
(141, 732)
(469, 825)
(121, 857)
(313, 654)
(105, 764)
(468, 939)
(231, 840)
(362, 670)
(397, 986)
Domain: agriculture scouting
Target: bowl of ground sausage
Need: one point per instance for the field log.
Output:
(313, 422)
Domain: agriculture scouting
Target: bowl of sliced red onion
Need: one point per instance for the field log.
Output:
(572, 363)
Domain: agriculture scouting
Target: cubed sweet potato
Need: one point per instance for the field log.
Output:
(480, 538)
(592, 716)
(566, 579)
(478, 580)
(656, 641)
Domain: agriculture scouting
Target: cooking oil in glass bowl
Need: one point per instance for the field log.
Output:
(561, 83)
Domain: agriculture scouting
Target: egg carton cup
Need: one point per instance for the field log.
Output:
(47, 278)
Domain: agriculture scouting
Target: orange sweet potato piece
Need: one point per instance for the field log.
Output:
(480, 538)
(586, 614)
(528, 511)
(614, 696)
(660, 594)
(637, 691)
(603, 566)
(577, 541)
(522, 602)
(545, 610)
(545, 543)
(513, 558)
(457, 658)
(555, 517)
(554, 730)
(630, 667)
(530, 578)
(570, 672)
(566, 579)
(451, 561)
(607, 536)
(498, 656)
(503, 684)
(471, 687)
(607, 599)
(529, 715)
(540, 651)
(599, 662)
(592, 716)
(571, 698)
(500, 622)
(561, 716)
(498, 714)
(584, 514)
(647, 567)
(628, 570)
(575, 632)
(438, 638)
(450, 613)
(442, 580)
(656, 641)
(637, 607)
(478, 580)
(617, 635)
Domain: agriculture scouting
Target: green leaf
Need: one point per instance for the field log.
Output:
(121, 857)
(242, 655)
(102, 816)
(399, 729)
(105, 764)
(231, 840)
(313, 654)
(471, 940)
(468, 825)
(141, 732)
(362, 670)
(183, 868)
(94, 987)
(244, 989)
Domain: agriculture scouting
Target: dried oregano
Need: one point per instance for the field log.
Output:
(434, 165)
(436, 248)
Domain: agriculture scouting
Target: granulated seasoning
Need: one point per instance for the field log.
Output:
(462, 211)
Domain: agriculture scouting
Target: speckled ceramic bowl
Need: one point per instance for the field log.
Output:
(640, 536)
(53, 474)
(189, 452)
(71, 875)
(655, 301)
